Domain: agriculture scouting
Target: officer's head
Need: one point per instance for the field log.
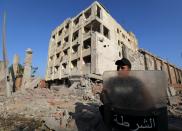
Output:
(123, 64)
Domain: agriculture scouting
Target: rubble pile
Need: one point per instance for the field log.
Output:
(175, 106)
(61, 108)
(45, 109)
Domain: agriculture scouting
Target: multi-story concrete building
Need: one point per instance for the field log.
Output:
(91, 42)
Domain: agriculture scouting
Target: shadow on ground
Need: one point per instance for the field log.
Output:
(87, 117)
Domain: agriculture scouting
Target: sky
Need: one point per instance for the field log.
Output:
(157, 25)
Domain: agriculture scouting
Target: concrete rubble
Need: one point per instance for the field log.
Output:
(45, 109)
(74, 108)
(66, 109)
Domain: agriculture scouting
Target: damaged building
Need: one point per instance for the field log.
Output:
(90, 43)
(80, 45)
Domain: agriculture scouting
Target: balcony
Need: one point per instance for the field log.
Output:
(88, 15)
(75, 35)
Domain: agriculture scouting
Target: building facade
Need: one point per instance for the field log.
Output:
(91, 42)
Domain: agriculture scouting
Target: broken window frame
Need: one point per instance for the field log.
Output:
(64, 65)
(87, 45)
(60, 32)
(59, 44)
(51, 58)
(56, 68)
(88, 13)
(67, 26)
(87, 28)
(75, 35)
(53, 37)
(118, 30)
(66, 39)
(98, 12)
(57, 55)
(65, 52)
(74, 64)
(87, 59)
(75, 48)
(106, 32)
(93, 26)
(77, 20)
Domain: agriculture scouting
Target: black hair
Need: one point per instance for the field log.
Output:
(123, 62)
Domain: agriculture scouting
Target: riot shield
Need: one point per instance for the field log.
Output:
(135, 100)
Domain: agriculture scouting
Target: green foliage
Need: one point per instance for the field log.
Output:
(34, 69)
(19, 71)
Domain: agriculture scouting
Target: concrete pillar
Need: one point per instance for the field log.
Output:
(62, 54)
(70, 43)
(145, 61)
(15, 64)
(81, 33)
(53, 72)
(94, 10)
(101, 13)
(54, 59)
(101, 29)
(176, 75)
(169, 73)
(27, 67)
(179, 77)
(155, 63)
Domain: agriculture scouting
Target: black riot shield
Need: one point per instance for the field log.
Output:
(135, 100)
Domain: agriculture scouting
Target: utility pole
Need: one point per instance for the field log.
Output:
(5, 59)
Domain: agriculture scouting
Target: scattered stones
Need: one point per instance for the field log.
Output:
(58, 110)
(67, 109)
